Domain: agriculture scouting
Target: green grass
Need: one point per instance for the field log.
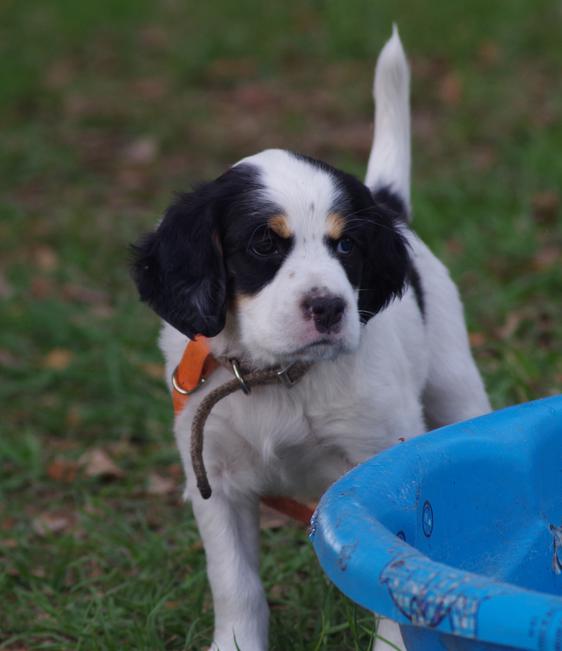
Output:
(108, 107)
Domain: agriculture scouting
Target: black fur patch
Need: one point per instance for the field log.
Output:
(379, 265)
(415, 282)
(386, 197)
(200, 256)
(179, 268)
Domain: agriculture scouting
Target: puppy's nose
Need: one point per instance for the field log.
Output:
(327, 312)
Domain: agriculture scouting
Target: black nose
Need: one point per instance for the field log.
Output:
(327, 312)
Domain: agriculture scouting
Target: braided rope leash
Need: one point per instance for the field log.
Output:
(240, 382)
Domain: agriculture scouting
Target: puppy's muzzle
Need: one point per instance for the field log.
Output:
(326, 311)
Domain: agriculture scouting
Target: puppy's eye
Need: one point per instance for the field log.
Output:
(264, 245)
(344, 246)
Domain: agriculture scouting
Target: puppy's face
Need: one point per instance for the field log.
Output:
(295, 254)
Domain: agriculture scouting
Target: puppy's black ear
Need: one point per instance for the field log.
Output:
(388, 265)
(179, 269)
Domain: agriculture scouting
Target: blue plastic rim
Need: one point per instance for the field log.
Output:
(457, 534)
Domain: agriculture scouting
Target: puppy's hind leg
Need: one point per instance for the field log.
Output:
(454, 390)
(389, 637)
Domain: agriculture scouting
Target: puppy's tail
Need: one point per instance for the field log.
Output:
(388, 171)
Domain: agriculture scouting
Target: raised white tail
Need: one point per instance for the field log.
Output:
(389, 162)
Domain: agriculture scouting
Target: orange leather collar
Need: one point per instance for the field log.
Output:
(196, 365)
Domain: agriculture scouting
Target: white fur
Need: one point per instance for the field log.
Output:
(270, 325)
(389, 162)
(391, 375)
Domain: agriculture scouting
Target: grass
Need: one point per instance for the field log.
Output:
(107, 108)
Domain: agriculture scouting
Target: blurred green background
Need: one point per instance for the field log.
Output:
(106, 108)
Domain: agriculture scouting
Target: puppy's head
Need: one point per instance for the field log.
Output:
(293, 253)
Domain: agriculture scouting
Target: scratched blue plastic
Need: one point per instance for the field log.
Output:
(457, 535)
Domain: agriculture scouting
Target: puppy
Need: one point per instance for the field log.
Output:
(285, 259)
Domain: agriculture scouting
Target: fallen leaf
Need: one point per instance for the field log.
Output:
(489, 53)
(62, 470)
(508, 329)
(8, 359)
(154, 370)
(8, 524)
(59, 74)
(546, 206)
(175, 470)
(46, 258)
(5, 287)
(450, 89)
(150, 88)
(97, 463)
(141, 151)
(42, 287)
(546, 257)
(454, 246)
(47, 523)
(58, 359)
(154, 36)
(477, 339)
(82, 294)
(158, 485)
(9, 543)
(102, 311)
(73, 416)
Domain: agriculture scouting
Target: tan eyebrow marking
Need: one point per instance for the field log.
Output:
(279, 225)
(335, 224)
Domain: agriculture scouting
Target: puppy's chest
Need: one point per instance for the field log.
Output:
(300, 427)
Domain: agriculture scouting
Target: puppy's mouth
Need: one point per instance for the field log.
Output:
(325, 348)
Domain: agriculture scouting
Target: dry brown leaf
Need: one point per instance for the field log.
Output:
(42, 287)
(7, 523)
(510, 326)
(150, 88)
(5, 287)
(47, 523)
(141, 151)
(9, 543)
(8, 359)
(489, 53)
(97, 463)
(546, 206)
(73, 416)
(450, 89)
(82, 294)
(154, 370)
(46, 258)
(546, 257)
(154, 36)
(59, 74)
(477, 339)
(175, 470)
(158, 485)
(58, 359)
(62, 470)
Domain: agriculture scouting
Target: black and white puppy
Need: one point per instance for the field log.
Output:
(284, 258)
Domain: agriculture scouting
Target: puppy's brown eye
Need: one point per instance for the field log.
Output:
(344, 246)
(264, 245)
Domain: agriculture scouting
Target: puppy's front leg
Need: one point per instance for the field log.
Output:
(229, 528)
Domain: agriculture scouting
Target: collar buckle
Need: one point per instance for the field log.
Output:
(285, 378)
(238, 375)
(185, 392)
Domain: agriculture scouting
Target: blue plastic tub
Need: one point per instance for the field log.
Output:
(457, 535)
